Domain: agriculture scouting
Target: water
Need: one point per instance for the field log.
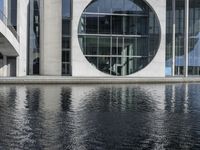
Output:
(81, 117)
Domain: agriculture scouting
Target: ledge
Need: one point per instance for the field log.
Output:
(94, 80)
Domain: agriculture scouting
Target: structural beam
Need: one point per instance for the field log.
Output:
(186, 46)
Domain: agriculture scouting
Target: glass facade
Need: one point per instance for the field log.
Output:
(66, 37)
(12, 13)
(194, 38)
(176, 52)
(112, 34)
(2, 6)
(34, 38)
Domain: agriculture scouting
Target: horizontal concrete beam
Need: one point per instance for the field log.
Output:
(94, 80)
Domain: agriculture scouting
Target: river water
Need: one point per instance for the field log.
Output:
(84, 117)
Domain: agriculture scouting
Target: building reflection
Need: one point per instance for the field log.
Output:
(81, 116)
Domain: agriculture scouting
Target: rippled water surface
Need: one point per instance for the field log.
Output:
(107, 117)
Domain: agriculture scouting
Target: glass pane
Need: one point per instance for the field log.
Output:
(66, 8)
(66, 27)
(91, 45)
(117, 24)
(104, 45)
(130, 25)
(65, 56)
(104, 64)
(66, 69)
(105, 6)
(117, 6)
(92, 60)
(104, 24)
(66, 42)
(93, 7)
(91, 24)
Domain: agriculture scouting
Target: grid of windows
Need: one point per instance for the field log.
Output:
(179, 55)
(12, 13)
(34, 38)
(66, 37)
(119, 37)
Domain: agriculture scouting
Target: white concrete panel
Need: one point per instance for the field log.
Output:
(8, 42)
(157, 66)
(80, 65)
(22, 29)
(51, 37)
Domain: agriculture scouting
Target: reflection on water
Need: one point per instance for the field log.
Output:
(100, 116)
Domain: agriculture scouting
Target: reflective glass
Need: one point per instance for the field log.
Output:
(12, 13)
(66, 30)
(66, 37)
(104, 24)
(34, 38)
(104, 45)
(91, 45)
(1, 5)
(66, 42)
(117, 24)
(194, 38)
(120, 40)
(66, 8)
(117, 6)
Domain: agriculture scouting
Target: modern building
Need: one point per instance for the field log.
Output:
(100, 38)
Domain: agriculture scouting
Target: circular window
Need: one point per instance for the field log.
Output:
(119, 37)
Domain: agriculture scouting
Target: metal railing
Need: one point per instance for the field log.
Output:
(5, 20)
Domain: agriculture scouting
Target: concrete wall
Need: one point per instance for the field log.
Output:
(50, 37)
(22, 30)
(80, 65)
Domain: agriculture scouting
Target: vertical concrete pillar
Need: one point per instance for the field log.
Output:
(5, 7)
(5, 67)
(173, 37)
(186, 46)
(22, 29)
(50, 37)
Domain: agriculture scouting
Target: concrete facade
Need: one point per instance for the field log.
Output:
(80, 65)
(50, 53)
(51, 28)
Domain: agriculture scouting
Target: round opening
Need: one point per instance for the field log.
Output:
(119, 37)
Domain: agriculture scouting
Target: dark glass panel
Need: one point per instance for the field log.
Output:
(142, 26)
(92, 60)
(66, 27)
(66, 42)
(130, 25)
(34, 38)
(90, 24)
(104, 45)
(117, 24)
(12, 13)
(66, 8)
(104, 64)
(114, 46)
(66, 69)
(91, 45)
(129, 47)
(104, 24)
(66, 37)
(169, 40)
(65, 56)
